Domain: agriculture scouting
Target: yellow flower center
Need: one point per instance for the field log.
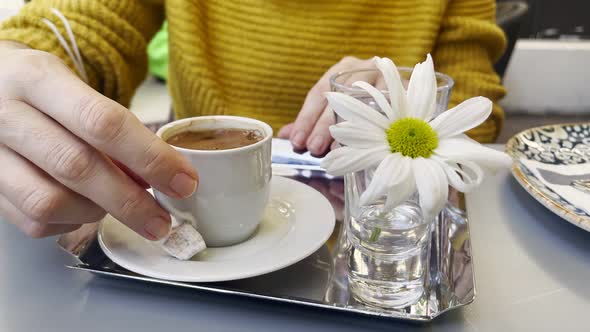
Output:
(412, 138)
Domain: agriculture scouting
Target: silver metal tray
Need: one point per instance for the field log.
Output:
(321, 280)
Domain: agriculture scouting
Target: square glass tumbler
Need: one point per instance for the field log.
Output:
(390, 249)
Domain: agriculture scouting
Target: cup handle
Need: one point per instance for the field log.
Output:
(178, 217)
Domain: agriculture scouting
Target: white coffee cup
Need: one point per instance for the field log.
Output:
(233, 184)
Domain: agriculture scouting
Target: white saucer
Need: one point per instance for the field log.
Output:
(297, 222)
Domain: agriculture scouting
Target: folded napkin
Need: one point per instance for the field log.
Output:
(569, 193)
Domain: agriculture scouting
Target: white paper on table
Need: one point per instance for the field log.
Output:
(286, 162)
(571, 194)
(282, 153)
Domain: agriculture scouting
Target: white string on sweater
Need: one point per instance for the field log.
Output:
(75, 55)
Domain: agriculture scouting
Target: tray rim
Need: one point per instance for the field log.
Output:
(283, 299)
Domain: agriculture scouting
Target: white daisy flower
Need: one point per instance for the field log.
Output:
(411, 149)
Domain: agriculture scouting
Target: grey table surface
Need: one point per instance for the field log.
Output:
(532, 274)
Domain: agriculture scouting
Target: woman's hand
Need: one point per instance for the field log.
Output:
(58, 142)
(310, 129)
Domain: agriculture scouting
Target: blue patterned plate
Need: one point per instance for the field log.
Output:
(562, 144)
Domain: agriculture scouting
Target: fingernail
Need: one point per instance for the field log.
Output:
(299, 139)
(157, 228)
(316, 144)
(183, 184)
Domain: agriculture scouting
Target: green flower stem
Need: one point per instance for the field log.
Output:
(375, 235)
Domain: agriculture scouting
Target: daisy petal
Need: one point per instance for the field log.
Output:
(347, 133)
(347, 159)
(462, 175)
(357, 136)
(397, 93)
(422, 90)
(433, 186)
(469, 114)
(379, 99)
(404, 188)
(467, 138)
(388, 169)
(352, 109)
(458, 148)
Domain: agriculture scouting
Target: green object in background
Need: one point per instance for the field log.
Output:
(158, 53)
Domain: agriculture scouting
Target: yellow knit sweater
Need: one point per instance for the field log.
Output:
(258, 58)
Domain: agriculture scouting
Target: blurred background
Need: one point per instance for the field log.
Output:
(548, 70)
(551, 18)
(546, 67)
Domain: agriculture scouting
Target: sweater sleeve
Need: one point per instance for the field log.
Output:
(468, 44)
(112, 36)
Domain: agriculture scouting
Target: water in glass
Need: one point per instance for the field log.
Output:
(388, 261)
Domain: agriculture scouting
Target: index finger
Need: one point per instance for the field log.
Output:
(112, 129)
(315, 102)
